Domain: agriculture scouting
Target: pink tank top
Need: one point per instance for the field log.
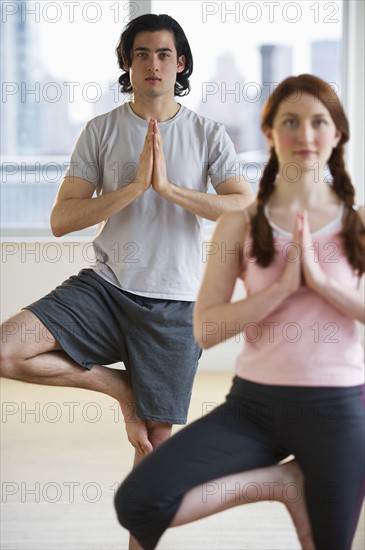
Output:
(305, 341)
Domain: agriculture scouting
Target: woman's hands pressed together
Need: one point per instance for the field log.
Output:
(302, 267)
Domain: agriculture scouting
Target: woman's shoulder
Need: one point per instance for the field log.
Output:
(232, 224)
(237, 221)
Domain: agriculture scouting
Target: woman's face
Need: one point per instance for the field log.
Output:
(303, 133)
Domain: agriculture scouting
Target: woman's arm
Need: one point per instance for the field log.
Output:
(216, 318)
(348, 300)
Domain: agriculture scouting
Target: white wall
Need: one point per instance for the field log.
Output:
(30, 269)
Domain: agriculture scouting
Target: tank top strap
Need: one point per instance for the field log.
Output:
(331, 227)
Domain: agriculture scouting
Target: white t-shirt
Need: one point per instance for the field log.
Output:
(153, 246)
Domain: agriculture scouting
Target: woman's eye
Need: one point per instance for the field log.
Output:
(290, 122)
(320, 122)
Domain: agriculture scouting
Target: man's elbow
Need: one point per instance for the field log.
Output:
(56, 225)
(241, 200)
(247, 196)
(57, 231)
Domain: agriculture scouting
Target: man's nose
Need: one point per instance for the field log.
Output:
(153, 65)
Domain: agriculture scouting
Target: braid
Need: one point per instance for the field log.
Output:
(341, 180)
(353, 232)
(262, 238)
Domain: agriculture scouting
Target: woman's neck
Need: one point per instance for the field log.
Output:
(310, 190)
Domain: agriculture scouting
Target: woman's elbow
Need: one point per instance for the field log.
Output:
(204, 332)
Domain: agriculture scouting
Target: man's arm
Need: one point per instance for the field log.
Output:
(76, 208)
(232, 194)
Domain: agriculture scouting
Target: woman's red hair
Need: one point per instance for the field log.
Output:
(353, 231)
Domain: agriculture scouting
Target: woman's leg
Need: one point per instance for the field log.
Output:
(279, 483)
(224, 443)
(334, 469)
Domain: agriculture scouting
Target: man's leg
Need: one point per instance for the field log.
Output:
(30, 353)
(157, 434)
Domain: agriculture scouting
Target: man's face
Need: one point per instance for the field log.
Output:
(154, 64)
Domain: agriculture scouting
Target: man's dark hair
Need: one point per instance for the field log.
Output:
(151, 23)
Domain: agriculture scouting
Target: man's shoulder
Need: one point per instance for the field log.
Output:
(110, 116)
(200, 120)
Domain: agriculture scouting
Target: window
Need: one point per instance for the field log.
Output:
(242, 49)
(59, 70)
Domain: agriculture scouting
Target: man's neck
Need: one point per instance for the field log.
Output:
(158, 108)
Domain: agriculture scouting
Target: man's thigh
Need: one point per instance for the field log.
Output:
(87, 317)
(24, 336)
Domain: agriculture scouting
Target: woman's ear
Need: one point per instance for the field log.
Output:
(337, 138)
(268, 136)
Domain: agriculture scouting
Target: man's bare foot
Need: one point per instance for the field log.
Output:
(136, 430)
(135, 427)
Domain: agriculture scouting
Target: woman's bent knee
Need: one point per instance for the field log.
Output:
(130, 508)
(131, 502)
(143, 507)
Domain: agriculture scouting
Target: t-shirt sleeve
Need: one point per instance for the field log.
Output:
(223, 162)
(84, 158)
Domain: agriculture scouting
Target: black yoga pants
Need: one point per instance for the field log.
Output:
(257, 426)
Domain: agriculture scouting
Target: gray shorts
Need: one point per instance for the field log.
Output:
(97, 323)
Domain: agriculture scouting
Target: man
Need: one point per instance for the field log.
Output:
(141, 172)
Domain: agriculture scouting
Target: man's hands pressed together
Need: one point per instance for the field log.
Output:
(160, 181)
(145, 165)
(152, 164)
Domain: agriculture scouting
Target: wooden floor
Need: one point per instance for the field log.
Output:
(63, 453)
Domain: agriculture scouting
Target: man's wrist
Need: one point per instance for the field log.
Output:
(167, 191)
(136, 189)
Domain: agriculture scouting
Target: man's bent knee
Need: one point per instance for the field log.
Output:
(23, 337)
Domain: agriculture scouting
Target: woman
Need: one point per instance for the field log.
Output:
(299, 381)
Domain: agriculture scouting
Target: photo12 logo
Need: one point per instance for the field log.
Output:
(271, 12)
(70, 12)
